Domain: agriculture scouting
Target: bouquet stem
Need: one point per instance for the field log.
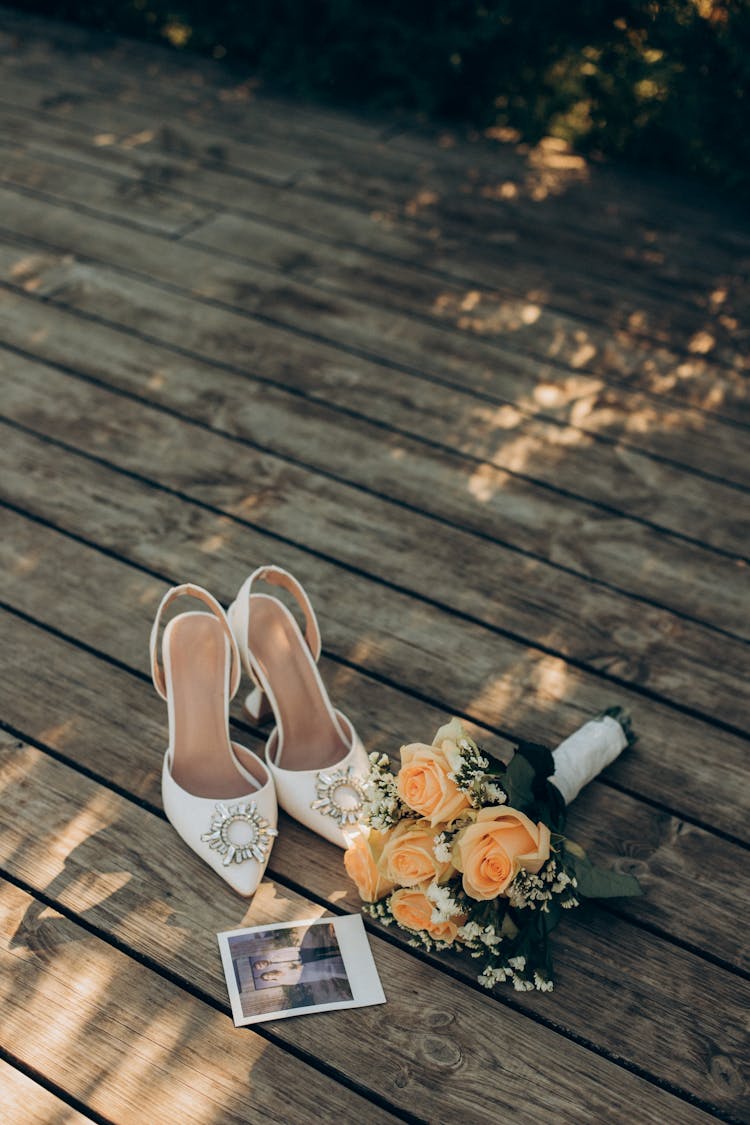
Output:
(593, 747)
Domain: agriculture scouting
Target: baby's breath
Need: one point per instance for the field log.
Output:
(379, 910)
(382, 808)
(471, 776)
(542, 983)
(445, 906)
(492, 975)
(441, 846)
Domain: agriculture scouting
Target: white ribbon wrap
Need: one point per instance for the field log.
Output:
(585, 754)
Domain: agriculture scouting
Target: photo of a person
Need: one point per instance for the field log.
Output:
(303, 965)
(288, 968)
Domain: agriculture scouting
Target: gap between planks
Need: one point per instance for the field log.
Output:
(345, 288)
(407, 363)
(31, 1099)
(580, 700)
(490, 473)
(103, 411)
(626, 442)
(300, 180)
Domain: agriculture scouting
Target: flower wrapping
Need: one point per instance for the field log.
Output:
(592, 748)
(466, 853)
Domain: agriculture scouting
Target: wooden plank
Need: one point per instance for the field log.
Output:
(57, 138)
(488, 443)
(130, 1036)
(572, 291)
(558, 347)
(639, 422)
(125, 909)
(404, 164)
(155, 210)
(25, 1102)
(650, 491)
(273, 165)
(344, 221)
(538, 697)
(698, 668)
(460, 490)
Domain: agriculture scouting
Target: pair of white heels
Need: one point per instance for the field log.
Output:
(219, 796)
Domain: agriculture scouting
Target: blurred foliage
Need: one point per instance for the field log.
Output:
(664, 83)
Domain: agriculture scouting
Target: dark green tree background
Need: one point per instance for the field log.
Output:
(664, 83)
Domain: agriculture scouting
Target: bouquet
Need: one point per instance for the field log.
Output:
(468, 854)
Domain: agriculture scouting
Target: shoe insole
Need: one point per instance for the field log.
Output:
(310, 738)
(197, 664)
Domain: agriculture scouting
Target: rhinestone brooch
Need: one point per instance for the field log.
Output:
(255, 836)
(340, 795)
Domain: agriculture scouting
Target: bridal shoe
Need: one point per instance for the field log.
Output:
(314, 754)
(218, 795)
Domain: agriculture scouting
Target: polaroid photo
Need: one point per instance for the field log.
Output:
(296, 968)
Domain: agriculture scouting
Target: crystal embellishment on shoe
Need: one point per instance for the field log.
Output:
(340, 795)
(257, 833)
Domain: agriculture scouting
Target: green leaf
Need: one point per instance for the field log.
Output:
(552, 808)
(597, 882)
(539, 758)
(518, 782)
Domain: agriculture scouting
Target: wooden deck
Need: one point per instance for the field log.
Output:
(490, 406)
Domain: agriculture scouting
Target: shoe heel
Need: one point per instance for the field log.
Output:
(257, 706)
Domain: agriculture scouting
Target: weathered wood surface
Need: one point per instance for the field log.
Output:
(491, 406)
(250, 309)
(603, 546)
(25, 1100)
(157, 1045)
(263, 282)
(462, 203)
(43, 400)
(574, 342)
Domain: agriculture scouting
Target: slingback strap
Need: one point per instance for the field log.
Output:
(275, 576)
(191, 591)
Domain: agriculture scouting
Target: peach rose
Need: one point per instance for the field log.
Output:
(423, 781)
(361, 863)
(408, 857)
(492, 850)
(411, 908)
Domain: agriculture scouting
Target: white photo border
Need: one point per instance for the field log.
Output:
(362, 975)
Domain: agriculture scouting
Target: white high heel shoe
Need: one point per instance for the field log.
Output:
(314, 754)
(218, 795)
